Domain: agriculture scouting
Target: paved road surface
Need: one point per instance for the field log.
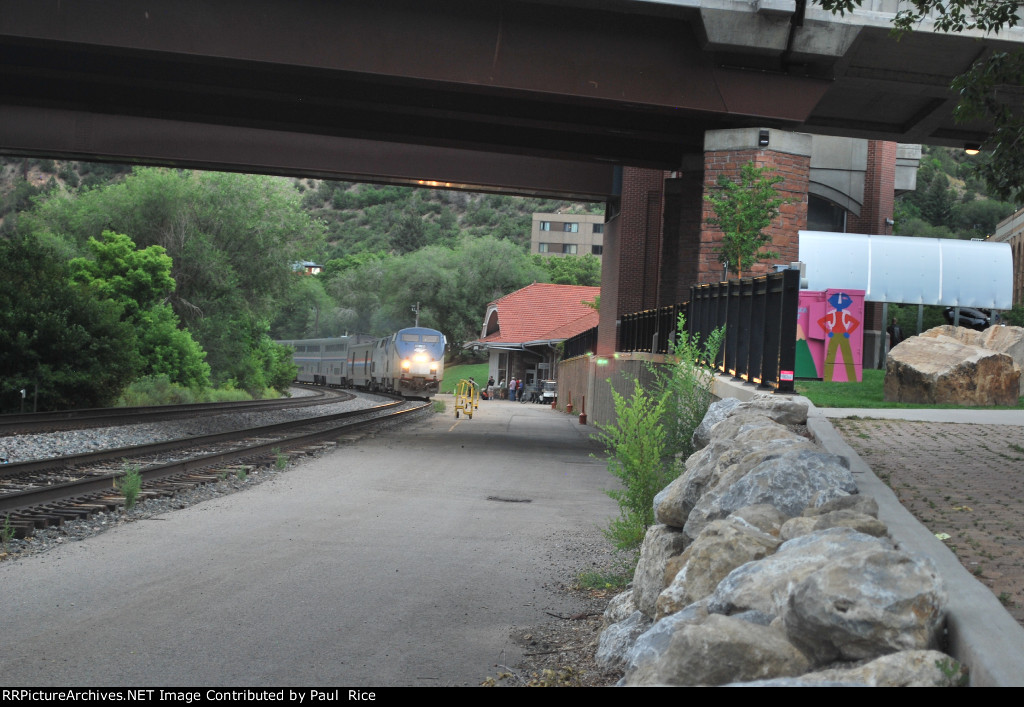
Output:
(382, 563)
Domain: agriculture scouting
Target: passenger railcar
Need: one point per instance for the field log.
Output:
(323, 361)
(410, 362)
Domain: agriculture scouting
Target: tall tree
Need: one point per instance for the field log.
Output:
(743, 210)
(58, 339)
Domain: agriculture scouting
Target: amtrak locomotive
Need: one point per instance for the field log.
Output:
(410, 362)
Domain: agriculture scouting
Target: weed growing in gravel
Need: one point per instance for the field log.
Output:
(6, 533)
(240, 474)
(603, 580)
(438, 406)
(130, 485)
(280, 460)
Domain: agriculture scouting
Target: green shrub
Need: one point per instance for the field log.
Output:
(130, 485)
(651, 429)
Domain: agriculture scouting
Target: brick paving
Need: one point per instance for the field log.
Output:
(964, 480)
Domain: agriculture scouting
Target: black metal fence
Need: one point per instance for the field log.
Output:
(757, 313)
(580, 345)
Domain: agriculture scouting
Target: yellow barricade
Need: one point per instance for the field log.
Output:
(467, 398)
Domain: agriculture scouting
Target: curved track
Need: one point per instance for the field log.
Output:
(51, 501)
(36, 422)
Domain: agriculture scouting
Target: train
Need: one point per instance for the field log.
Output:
(409, 362)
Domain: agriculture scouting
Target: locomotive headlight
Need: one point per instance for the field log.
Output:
(405, 365)
(420, 358)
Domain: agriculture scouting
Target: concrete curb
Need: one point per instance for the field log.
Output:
(980, 632)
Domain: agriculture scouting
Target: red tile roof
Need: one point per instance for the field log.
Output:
(543, 312)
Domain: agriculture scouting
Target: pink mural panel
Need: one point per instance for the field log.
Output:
(830, 335)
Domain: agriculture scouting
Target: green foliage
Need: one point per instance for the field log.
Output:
(571, 270)
(635, 446)
(137, 281)
(604, 580)
(6, 534)
(742, 211)
(651, 428)
(58, 337)
(686, 384)
(232, 239)
(1015, 316)
(130, 485)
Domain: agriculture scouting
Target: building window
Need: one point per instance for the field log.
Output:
(569, 248)
(571, 227)
(543, 247)
(545, 225)
(597, 249)
(598, 228)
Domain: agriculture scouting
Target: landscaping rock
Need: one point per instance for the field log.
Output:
(660, 544)
(1004, 339)
(866, 604)
(718, 650)
(937, 369)
(717, 412)
(780, 409)
(721, 547)
(789, 481)
(618, 639)
(619, 608)
(765, 585)
(903, 669)
(846, 518)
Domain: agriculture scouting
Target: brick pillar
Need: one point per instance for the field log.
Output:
(631, 260)
(789, 155)
(680, 250)
(879, 190)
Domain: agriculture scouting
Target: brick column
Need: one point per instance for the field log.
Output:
(788, 155)
(631, 260)
(879, 197)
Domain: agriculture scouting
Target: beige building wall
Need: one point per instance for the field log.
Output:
(567, 234)
(1011, 230)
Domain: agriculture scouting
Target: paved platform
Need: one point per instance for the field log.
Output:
(401, 559)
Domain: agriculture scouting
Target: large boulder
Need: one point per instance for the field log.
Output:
(717, 650)
(1004, 339)
(903, 669)
(765, 586)
(618, 639)
(790, 481)
(721, 547)
(936, 368)
(865, 605)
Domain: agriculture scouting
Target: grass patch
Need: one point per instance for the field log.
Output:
(603, 580)
(868, 394)
(439, 406)
(452, 375)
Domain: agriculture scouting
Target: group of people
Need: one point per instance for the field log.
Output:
(503, 391)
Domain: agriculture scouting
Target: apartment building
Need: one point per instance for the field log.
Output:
(567, 234)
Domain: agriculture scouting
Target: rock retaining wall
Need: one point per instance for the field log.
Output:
(768, 566)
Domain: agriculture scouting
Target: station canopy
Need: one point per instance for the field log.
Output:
(908, 270)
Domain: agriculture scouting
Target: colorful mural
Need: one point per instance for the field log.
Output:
(830, 338)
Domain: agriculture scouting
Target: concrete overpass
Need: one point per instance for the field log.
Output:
(544, 98)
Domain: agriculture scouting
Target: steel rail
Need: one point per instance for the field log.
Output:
(35, 422)
(23, 501)
(73, 461)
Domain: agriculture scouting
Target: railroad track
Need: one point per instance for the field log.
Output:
(60, 420)
(43, 493)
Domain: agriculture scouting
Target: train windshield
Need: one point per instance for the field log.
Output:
(425, 338)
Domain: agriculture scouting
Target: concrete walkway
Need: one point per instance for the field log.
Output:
(981, 633)
(402, 559)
